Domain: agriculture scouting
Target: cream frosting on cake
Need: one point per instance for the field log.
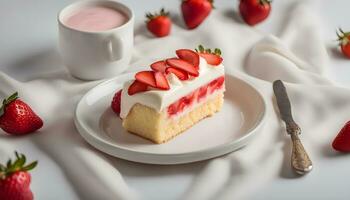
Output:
(161, 99)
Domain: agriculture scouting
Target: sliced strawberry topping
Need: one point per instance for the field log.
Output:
(211, 59)
(181, 74)
(146, 77)
(159, 66)
(116, 102)
(161, 81)
(189, 56)
(137, 87)
(183, 65)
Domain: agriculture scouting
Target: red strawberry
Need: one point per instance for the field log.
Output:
(162, 81)
(159, 66)
(146, 77)
(189, 56)
(17, 118)
(137, 87)
(15, 179)
(254, 11)
(182, 75)
(183, 65)
(211, 59)
(159, 24)
(195, 11)
(116, 102)
(344, 42)
(342, 141)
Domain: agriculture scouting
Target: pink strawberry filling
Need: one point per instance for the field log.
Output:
(196, 96)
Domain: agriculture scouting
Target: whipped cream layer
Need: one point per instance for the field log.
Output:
(161, 99)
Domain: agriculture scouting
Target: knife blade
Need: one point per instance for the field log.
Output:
(300, 160)
(283, 101)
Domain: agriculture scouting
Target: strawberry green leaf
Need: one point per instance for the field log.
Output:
(201, 49)
(151, 16)
(217, 51)
(263, 2)
(30, 166)
(13, 97)
(2, 168)
(17, 155)
(163, 12)
(2, 175)
(339, 36)
(23, 159)
(7, 101)
(2, 109)
(9, 163)
(18, 164)
(343, 37)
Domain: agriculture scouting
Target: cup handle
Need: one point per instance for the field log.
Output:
(115, 47)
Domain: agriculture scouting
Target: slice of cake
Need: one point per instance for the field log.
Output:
(176, 94)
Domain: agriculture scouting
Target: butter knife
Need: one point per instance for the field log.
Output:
(300, 160)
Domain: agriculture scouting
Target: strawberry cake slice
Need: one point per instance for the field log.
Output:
(173, 95)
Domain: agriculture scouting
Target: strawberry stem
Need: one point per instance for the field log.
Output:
(18, 165)
(343, 37)
(2, 171)
(265, 2)
(7, 101)
(151, 16)
(212, 4)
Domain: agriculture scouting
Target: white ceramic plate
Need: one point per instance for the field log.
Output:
(242, 115)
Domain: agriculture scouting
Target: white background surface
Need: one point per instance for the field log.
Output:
(28, 38)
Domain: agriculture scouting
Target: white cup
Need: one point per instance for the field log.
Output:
(96, 55)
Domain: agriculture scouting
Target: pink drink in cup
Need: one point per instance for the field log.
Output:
(95, 18)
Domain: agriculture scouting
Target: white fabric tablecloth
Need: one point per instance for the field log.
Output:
(297, 56)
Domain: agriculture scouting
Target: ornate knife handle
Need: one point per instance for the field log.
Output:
(300, 161)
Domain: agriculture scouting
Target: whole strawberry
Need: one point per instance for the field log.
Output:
(342, 141)
(344, 42)
(254, 11)
(195, 11)
(17, 118)
(159, 24)
(15, 179)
